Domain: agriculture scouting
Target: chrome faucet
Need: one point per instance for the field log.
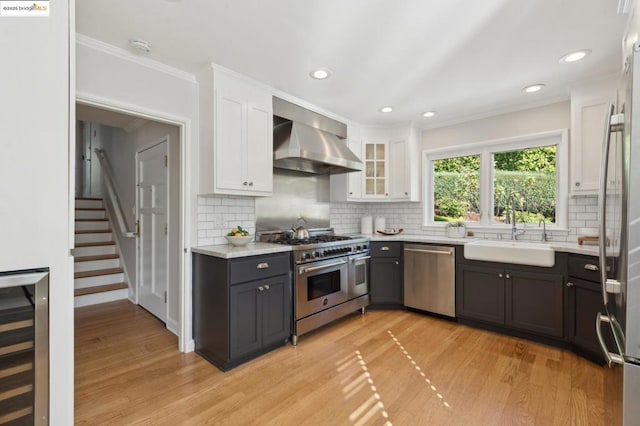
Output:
(543, 237)
(514, 230)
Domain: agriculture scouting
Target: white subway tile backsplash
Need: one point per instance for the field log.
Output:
(345, 218)
(217, 215)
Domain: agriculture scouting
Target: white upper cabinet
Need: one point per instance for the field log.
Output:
(404, 167)
(390, 157)
(589, 112)
(236, 155)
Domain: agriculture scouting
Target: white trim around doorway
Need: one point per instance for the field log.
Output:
(184, 327)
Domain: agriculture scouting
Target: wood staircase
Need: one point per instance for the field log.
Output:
(16, 365)
(98, 273)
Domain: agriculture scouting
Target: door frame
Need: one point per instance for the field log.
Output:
(167, 139)
(183, 327)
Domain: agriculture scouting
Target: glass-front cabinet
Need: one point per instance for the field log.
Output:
(375, 166)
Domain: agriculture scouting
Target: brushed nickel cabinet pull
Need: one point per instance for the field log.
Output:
(591, 267)
(263, 265)
(384, 248)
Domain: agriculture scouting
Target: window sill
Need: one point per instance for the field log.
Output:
(502, 229)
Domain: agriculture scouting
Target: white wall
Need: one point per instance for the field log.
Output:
(534, 120)
(116, 79)
(121, 150)
(35, 183)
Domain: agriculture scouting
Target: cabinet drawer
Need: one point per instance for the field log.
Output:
(258, 267)
(383, 249)
(585, 267)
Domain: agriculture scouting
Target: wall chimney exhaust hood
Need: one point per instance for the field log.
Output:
(309, 142)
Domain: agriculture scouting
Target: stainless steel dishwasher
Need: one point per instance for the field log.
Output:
(429, 278)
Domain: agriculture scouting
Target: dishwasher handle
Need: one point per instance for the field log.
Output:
(449, 252)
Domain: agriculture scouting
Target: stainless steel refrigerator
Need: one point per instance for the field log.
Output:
(619, 215)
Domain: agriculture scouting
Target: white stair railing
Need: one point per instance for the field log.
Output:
(114, 200)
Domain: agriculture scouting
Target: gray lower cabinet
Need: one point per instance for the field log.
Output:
(514, 297)
(480, 293)
(534, 302)
(385, 274)
(584, 302)
(241, 307)
(259, 315)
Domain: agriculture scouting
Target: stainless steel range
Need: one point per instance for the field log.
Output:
(330, 277)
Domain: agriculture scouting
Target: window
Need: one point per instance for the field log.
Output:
(456, 189)
(484, 184)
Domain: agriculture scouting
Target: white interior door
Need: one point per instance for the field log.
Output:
(152, 244)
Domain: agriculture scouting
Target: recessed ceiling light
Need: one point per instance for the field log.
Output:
(533, 88)
(428, 114)
(140, 45)
(575, 56)
(386, 109)
(320, 74)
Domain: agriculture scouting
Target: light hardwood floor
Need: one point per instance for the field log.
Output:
(386, 367)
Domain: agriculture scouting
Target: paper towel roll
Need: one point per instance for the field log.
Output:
(380, 224)
(366, 225)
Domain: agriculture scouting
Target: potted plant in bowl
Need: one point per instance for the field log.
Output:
(456, 229)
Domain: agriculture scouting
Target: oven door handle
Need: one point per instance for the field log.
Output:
(355, 259)
(317, 268)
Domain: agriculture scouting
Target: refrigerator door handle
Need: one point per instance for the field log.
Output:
(610, 357)
(602, 205)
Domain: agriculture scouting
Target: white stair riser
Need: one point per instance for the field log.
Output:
(94, 238)
(90, 214)
(104, 297)
(93, 265)
(88, 204)
(99, 224)
(94, 251)
(99, 280)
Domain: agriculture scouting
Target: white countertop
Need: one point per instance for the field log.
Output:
(227, 251)
(590, 250)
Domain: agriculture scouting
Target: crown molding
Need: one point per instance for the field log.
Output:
(118, 52)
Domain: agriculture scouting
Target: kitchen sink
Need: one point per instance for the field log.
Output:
(518, 252)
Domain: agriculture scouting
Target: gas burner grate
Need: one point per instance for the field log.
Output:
(313, 240)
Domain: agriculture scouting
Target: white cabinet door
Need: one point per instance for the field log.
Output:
(259, 154)
(355, 178)
(230, 148)
(243, 141)
(398, 169)
(588, 124)
(376, 158)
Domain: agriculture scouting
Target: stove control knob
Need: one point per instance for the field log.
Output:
(358, 248)
(364, 247)
(317, 254)
(326, 252)
(349, 249)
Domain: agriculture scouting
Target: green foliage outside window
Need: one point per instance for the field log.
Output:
(529, 175)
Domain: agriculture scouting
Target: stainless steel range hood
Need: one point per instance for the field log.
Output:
(309, 142)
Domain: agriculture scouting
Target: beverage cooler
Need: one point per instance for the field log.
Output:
(24, 347)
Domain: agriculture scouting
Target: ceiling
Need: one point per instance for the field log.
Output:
(462, 58)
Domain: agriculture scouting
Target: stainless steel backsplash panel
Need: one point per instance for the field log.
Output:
(295, 195)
